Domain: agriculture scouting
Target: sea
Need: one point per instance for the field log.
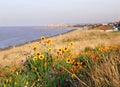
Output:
(13, 36)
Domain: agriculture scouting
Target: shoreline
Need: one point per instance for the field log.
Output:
(10, 47)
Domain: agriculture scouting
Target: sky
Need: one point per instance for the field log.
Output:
(45, 12)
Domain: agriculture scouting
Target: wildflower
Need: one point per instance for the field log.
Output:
(26, 83)
(38, 53)
(85, 66)
(41, 57)
(68, 60)
(15, 83)
(16, 73)
(65, 84)
(23, 68)
(42, 38)
(72, 43)
(49, 41)
(35, 58)
(80, 66)
(34, 47)
(6, 80)
(58, 52)
(79, 63)
(73, 76)
(4, 85)
(28, 56)
(51, 75)
(49, 49)
(10, 79)
(33, 84)
(59, 49)
(39, 79)
(65, 49)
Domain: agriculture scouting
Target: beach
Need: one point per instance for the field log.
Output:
(82, 38)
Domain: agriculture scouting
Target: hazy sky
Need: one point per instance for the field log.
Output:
(43, 12)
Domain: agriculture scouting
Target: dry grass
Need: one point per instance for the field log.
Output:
(82, 38)
(104, 74)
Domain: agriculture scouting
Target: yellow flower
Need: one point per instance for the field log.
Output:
(72, 43)
(38, 53)
(26, 83)
(6, 80)
(16, 73)
(35, 58)
(34, 48)
(15, 83)
(49, 41)
(41, 57)
(59, 49)
(42, 38)
(68, 60)
(28, 56)
(65, 49)
(4, 85)
(49, 49)
(73, 76)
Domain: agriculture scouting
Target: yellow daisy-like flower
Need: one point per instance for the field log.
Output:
(49, 41)
(68, 60)
(35, 58)
(72, 43)
(41, 57)
(60, 49)
(49, 49)
(34, 48)
(28, 56)
(65, 49)
(38, 53)
(42, 38)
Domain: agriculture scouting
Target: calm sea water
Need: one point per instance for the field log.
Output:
(11, 36)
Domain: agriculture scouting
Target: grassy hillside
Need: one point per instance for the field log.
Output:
(77, 59)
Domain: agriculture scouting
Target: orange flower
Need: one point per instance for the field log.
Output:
(80, 67)
(79, 63)
(10, 79)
